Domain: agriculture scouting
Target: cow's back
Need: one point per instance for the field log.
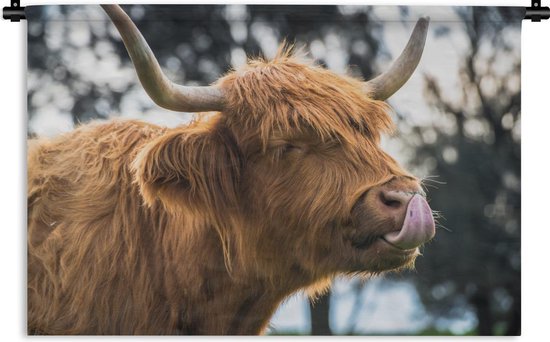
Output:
(89, 234)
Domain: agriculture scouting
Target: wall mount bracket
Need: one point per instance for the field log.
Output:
(536, 12)
(14, 12)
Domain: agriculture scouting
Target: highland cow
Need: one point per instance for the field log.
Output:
(204, 229)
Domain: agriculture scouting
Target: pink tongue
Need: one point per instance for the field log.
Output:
(419, 226)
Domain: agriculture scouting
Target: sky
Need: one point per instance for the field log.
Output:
(381, 299)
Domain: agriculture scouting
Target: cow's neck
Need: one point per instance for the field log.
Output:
(239, 303)
(232, 309)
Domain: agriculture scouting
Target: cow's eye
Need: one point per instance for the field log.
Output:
(288, 147)
(285, 149)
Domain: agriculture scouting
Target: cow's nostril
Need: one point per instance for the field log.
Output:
(390, 202)
(395, 199)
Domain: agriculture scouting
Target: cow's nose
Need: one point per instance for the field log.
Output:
(394, 200)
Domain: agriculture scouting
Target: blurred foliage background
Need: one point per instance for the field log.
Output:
(458, 118)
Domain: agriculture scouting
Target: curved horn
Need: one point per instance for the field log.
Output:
(161, 90)
(385, 85)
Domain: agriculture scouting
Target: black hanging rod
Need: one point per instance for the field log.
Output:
(534, 13)
(15, 12)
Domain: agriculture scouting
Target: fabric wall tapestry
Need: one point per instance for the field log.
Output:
(224, 170)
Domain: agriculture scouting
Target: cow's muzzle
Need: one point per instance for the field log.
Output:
(418, 224)
(397, 213)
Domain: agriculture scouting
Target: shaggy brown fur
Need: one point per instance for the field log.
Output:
(206, 228)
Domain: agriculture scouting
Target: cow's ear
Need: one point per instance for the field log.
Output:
(190, 168)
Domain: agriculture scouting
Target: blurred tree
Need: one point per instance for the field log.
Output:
(320, 314)
(70, 46)
(474, 149)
